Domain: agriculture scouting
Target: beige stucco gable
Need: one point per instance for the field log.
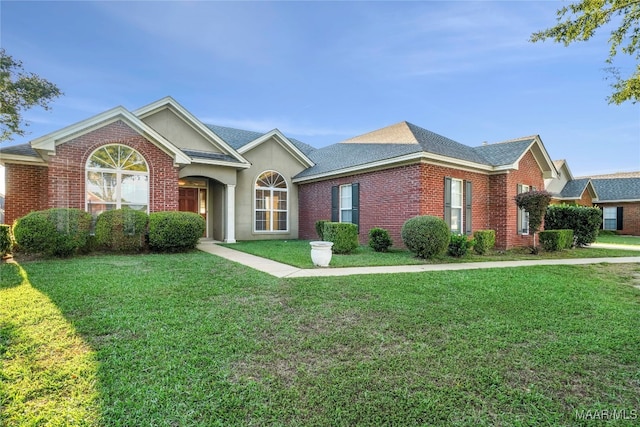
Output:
(176, 130)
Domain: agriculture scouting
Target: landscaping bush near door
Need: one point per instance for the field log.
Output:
(556, 240)
(175, 231)
(426, 236)
(344, 236)
(122, 230)
(54, 232)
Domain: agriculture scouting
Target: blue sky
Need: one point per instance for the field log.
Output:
(322, 72)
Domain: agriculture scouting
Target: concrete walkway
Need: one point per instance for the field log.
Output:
(278, 269)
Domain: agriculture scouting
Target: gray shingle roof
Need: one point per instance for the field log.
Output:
(238, 138)
(207, 155)
(574, 188)
(341, 156)
(433, 143)
(359, 152)
(19, 150)
(617, 189)
(504, 153)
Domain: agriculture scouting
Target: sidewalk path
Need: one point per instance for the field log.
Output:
(278, 269)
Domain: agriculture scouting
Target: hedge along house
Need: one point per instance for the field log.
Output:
(618, 195)
(161, 158)
(382, 178)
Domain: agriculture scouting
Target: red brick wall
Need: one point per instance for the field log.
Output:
(25, 190)
(64, 183)
(630, 217)
(389, 197)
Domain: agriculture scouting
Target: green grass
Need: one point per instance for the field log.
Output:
(618, 240)
(298, 254)
(193, 339)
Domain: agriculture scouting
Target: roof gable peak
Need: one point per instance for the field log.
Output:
(399, 133)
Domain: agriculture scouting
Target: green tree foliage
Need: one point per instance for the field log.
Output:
(580, 20)
(534, 202)
(20, 91)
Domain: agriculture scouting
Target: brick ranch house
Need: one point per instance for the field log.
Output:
(250, 185)
(618, 195)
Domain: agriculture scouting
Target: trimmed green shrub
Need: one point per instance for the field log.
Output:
(122, 230)
(344, 236)
(556, 240)
(320, 228)
(58, 231)
(426, 236)
(379, 239)
(485, 240)
(584, 221)
(459, 245)
(175, 231)
(5, 239)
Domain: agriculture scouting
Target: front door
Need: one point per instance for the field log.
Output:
(193, 200)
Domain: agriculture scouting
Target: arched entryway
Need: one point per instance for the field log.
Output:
(206, 197)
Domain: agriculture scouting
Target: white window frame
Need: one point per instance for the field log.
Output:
(118, 172)
(459, 207)
(346, 190)
(523, 226)
(269, 209)
(613, 209)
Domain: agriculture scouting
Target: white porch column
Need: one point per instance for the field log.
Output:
(230, 213)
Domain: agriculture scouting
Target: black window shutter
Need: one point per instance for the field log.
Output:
(335, 203)
(447, 201)
(467, 200)
(619, 218)
(355, 204)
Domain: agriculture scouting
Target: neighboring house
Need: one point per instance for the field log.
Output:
(250, 185)
(618, 195)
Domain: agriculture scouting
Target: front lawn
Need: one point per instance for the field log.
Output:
(196, 340)
(298, 254)
(618, 240)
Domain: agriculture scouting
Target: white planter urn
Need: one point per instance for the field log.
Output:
(321, 253)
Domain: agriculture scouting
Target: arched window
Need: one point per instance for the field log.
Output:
(271, 204)
(117, 177)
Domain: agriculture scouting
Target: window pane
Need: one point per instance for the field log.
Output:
(280, 200)
(610, 216)
(346, 216)
(261, 199)
(261, 221)
(345, 197)
(456, 220)
(456, 193)
(134, 189)
(101, 186)
(282, 221)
